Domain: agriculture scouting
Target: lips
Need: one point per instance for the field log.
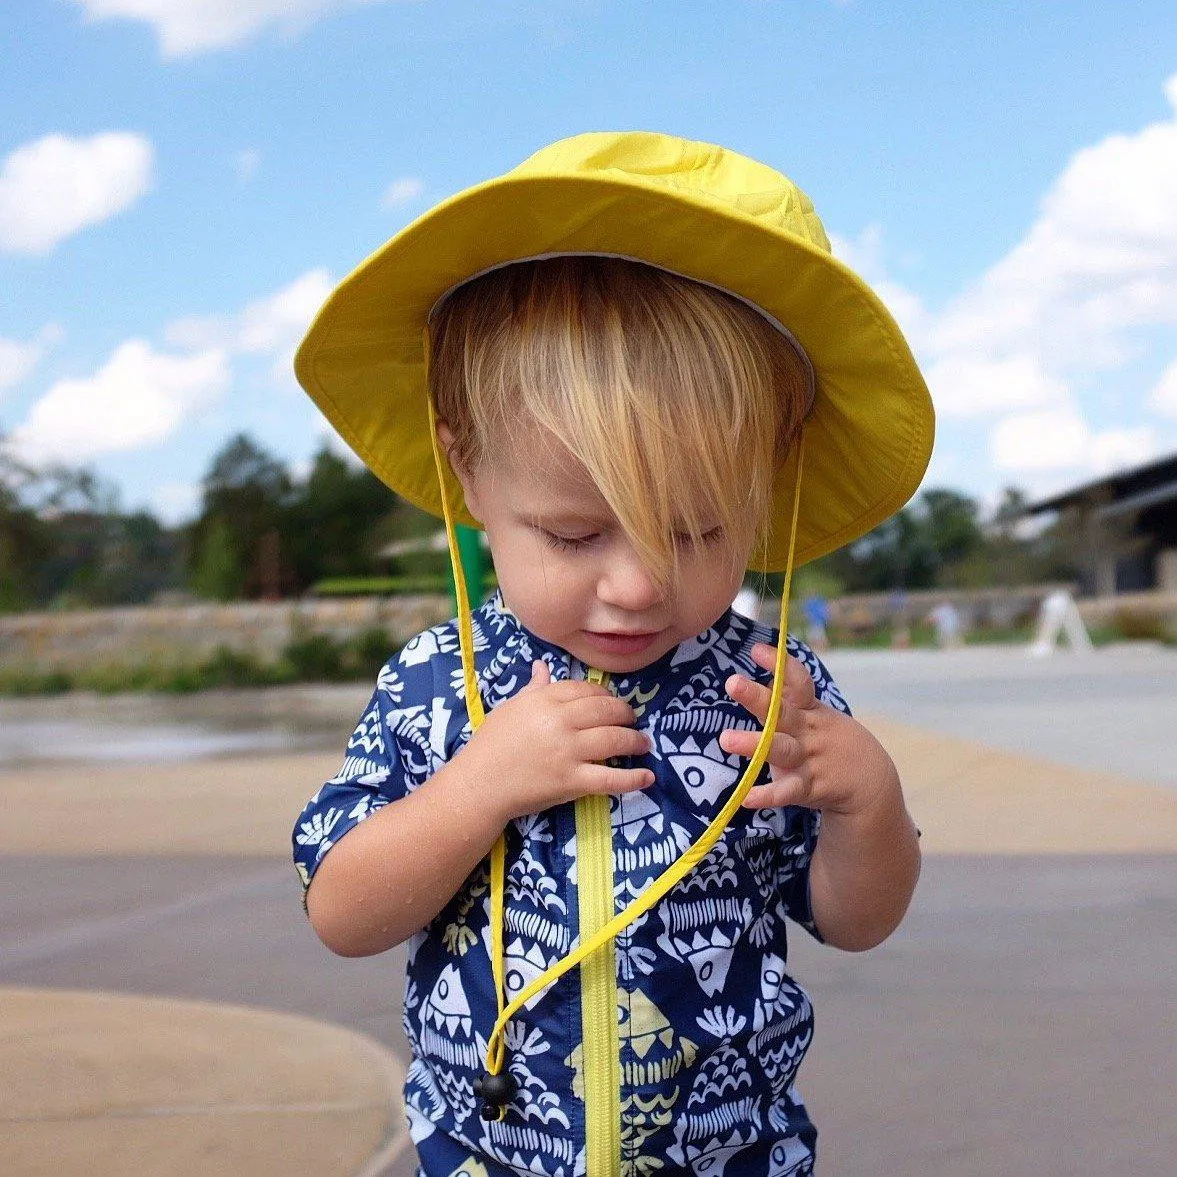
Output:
(621, 643)
(653, 633)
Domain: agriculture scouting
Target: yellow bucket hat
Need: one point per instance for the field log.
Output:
(693, 208)
(702, 212)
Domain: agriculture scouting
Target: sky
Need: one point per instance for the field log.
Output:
(182, 182)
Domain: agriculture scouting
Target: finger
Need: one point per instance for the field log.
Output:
(569, 690)
(752, 696)
(603, 778)
(784, 753)
(540, 674)
(788, 790)
(799, 686)
(603, 743)
(600, 711)
(799, 689)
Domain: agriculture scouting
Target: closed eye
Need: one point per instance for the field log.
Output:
(565, 543)
(708, 537)
(571, 543)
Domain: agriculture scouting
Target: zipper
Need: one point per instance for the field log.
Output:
(598, 982)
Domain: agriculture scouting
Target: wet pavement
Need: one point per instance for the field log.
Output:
(1019, 1022)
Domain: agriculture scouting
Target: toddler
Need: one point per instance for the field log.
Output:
(590, 804)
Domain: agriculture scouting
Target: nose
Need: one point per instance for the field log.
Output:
(625, 583)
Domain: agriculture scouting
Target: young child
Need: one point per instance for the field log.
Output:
(634, 362)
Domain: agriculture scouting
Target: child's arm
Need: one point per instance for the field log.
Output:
(390, 874)
(398, 868)
(864, 869)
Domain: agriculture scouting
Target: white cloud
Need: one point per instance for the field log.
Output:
(143, 395)
(1061, 439)
(1088, 289)
(19, 357)
(269, 326)
(1120, 449)
(246, 163)
(193, 26)
(401, 192)
(57, 185)
(1163, 398)
(1098, 265)
(199, 332)
(967, 386)
(274, 325)
(139, 397)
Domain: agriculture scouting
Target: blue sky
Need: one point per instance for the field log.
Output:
(181, 182)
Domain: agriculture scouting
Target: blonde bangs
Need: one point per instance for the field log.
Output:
(680, 401)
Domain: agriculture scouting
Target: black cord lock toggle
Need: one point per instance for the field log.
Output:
(495, 1091)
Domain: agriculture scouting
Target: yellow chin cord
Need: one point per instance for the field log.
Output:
(673, 873)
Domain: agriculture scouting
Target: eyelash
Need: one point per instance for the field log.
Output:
(565, 543)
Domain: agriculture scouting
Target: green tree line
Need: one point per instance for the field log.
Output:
(263, 533)
(260, 533)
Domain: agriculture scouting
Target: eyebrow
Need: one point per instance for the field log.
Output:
(557, 517)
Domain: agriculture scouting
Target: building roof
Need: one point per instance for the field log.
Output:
(1126, 490)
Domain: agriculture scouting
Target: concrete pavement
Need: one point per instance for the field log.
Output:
(108, 1083)
(166, 1009)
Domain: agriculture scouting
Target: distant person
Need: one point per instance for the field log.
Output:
(945, 619)
(552, 797)
(817, 618)
(897, 608)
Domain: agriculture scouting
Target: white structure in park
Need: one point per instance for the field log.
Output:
(1058, 617)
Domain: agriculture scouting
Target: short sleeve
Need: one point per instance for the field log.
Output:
(797, 844)
(396, 747)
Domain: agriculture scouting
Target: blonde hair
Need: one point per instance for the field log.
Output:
(681, 401)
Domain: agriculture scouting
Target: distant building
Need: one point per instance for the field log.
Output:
(1123, 529)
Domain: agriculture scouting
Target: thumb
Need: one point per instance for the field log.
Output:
(540, 674)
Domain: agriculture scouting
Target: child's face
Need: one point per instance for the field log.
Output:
(568, 572)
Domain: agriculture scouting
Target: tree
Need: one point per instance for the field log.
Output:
(23, 539)
(244, 498)
(896, 554)
(337, 519)
(953, 532)
(217, 572)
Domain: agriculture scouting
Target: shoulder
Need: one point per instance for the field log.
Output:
(430, 662)
(420, 670)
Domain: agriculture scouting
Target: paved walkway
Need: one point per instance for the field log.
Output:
(103, 1083)
(1017, 1020)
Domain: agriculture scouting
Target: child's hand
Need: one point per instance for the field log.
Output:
(546, 745)
(819, 758)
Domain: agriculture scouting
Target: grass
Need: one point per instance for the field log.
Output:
(318, 657)
(310, 657)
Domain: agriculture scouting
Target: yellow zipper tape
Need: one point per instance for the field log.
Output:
(600, 1052)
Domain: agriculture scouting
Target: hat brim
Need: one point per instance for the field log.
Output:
(869, 435)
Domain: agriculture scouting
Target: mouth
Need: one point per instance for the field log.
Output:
(621, 643)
